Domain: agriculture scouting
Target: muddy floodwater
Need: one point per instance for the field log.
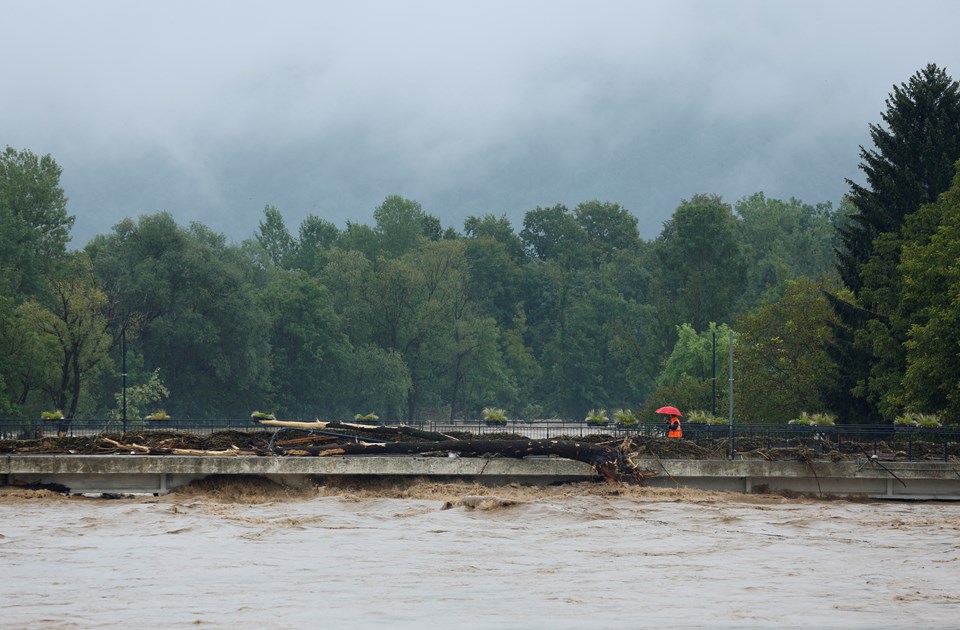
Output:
(426, 555)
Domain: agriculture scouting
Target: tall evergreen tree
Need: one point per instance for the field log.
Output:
(912, 162)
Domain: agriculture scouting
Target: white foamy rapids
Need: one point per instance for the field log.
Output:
(421, 554)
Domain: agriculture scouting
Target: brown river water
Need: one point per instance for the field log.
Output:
(427, 555)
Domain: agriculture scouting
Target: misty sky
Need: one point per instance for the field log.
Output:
(212, 110)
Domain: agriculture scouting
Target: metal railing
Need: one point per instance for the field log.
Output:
(880, 441)
(28, 429)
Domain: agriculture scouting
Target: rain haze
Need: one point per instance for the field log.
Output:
(213, 110)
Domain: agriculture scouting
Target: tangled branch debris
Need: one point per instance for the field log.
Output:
(612, 458)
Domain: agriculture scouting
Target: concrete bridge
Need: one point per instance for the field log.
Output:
(150, 474)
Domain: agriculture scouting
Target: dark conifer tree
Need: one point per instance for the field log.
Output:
(912, 162)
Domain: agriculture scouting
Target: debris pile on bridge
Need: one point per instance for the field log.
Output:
(610, 458)
(613, 458)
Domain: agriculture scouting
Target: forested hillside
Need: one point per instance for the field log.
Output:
(570, 311)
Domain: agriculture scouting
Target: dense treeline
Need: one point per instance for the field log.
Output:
(571, 311)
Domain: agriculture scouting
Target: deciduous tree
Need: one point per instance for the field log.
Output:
(780, 360)
(400, 222)
(931, 294)
(702, 260)
(70, 322)
(608, 228)
(308, 348)
(275, 238)
(199, 315)
(34, 224)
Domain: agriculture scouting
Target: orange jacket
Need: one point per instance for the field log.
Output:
(675, 430)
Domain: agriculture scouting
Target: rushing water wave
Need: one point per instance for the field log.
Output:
(423, 554)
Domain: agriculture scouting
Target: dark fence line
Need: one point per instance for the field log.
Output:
(880, 441)
(26, 429)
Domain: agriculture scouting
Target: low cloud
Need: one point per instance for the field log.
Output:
(212, 111)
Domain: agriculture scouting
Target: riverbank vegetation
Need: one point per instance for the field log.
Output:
(846, 310)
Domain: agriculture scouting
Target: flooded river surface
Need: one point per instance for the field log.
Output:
(426, 555)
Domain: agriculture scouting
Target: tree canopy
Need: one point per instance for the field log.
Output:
(410, 320)
(911, 164)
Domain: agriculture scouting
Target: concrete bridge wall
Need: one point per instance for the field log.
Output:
(160, 474)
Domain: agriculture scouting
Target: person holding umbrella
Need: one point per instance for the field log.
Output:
(674, 430)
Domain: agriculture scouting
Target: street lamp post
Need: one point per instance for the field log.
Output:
(123, 373)
(730, 455)
(713, 399)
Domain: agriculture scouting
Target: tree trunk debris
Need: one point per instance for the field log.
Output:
(602, 457)
(155, 450)
(610, 461)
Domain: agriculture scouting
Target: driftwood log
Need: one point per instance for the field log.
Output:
(355, 428)
(133, 447)
(609, 461)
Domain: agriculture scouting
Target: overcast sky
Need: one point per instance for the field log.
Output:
(212, 110)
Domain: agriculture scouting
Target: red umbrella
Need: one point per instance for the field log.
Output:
(673, 411)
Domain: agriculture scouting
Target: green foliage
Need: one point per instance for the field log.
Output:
(309, 252)
(262, 415)
(309, 350)
(693, 354)
(317, 238)
(498, 229)
(597, 417)
(816, 419)
(141, 397)
(160, 414)
(522, 368)
(275, 238)
(703, 260)
(69, 321)
(554, 234)
(348, 276)
(687, 393)
(780, 360)
(705, 417)
(28, 359)
(34, 224)
(931, 293)
(823, 419)
(366, 417)
(361, 238)
(493, 278)
(923, 420)
(624, 417)
(378, 378)
(52, 415)
(199, 315)
(415, 321)
(784, 240)
(608, 229)
(803, 419)
(494, 415)
(911, 165)
(34, 232)
(400, 222)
